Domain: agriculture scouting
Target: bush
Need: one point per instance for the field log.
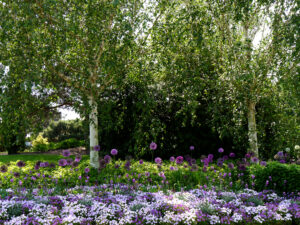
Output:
(277, 176)
(69, 143)
(63, 130)
(40, 144)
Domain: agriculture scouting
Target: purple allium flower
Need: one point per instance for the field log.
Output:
(141, 161)
(74, 164)
(11, 180)
(62, 162)
(69, 161)
(96, 148)
(230, 165)
(3, 169)
(21, 164)
(172, 168)
(78, 158)
(147, 174)
(263, 163)
(192, 147)
(252, 176)
(172, 158)
(66, 153)
(107, 158)
(158, 160)
(179, 160)
(280, 154)
(86, 170)
(33, 178)
(247, 155)
(210, 157)
(114, 152)
(254, 159)
(225, 157)
(232, 155)
(79, 177)
(220, 150)
(153, 146)
(42, 164)
(16, 174)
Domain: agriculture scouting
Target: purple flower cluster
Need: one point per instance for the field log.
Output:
(121, 204)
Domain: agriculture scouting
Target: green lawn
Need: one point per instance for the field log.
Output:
(15, 158)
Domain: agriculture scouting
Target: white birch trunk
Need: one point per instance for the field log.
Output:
(252, 132)
(94, 156)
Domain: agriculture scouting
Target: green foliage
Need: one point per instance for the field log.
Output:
(40, 144)
(62, 130)
(281, 177)
(68, 143)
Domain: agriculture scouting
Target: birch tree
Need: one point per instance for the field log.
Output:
(86, 46)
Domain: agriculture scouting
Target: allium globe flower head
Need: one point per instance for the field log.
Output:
(232, 155)
(254, 159)
(96, 148)
(69, 161)
(141, 161)
(210, 157)
(114, 152)
(62, 162)
(248, 156)
(3, 169)
(107, 158)
(179, 160)
(66, 153)
(153, 146)
(192, 147)
(21, 164)
(78, 158)
(263, 163)
(225, 157)
(158, 160)
(220, 150)
(86, 170)
(172, 159)
(280, 154)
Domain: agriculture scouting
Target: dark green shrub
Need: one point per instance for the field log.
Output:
(63, 130)
(280, 177)
(69, 143)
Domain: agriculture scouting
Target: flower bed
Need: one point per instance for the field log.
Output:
(123, 204)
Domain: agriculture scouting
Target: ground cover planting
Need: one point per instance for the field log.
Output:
(216, 189)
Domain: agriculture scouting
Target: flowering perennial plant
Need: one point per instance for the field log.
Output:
(124, 204)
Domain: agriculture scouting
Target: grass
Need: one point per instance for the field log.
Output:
(33, 158)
